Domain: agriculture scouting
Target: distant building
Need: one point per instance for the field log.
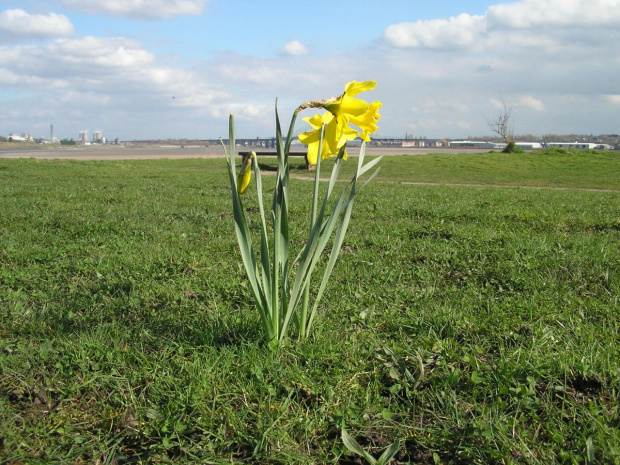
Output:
(493, 145)
(422, 143)
(476, 144)
(529, 145)
(14, 137)
(573, 145)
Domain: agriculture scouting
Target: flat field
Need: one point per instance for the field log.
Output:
(474, 317)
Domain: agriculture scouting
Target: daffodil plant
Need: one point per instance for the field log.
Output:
(281, 286)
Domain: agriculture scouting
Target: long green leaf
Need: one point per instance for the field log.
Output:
(303, 317)
(247, 253)
(389, 453)
(354, 447)
(319, 235)
(318, 238)
(333, 257)
(335, 171)
(332, 182)
(370, 178)
(264, 242)
(243, 236)
(368, 165)
(339, 236)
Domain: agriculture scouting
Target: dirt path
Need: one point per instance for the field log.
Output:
(460, 184)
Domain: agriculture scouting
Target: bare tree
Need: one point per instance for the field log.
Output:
(501, 124)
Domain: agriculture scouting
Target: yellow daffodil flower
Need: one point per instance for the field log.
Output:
(334, 138)
(342, 111)
(245, 175)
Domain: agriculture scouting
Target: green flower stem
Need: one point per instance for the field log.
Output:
(303, 319)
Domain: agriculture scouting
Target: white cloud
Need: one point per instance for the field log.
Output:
(20, 23)
(98, 68)
(432, 106)
(79, 98)
(100, 52)
(613, 99)
(244, 110)
(295, 48)
(266, 73)
(10, 78)
(115, 84)
(499, 104)
(526, 14)
(154, 9)
(508, 23)
(456, 32)
(531, 102)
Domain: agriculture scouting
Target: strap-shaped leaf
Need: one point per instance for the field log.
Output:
(368, 165)
(354, 447)
(243, 236)
(389, 453)
(247, 253)
(340, 234)
(319, 236)
(335, 171)
(333, 257)
(264, 242)
(302, 320)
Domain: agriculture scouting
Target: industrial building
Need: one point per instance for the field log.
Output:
(476, 144)
(579, 145)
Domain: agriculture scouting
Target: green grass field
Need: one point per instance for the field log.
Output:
(474, 321)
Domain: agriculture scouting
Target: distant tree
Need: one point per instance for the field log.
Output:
(501, 124)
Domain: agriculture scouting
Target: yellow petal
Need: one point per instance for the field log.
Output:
(337, 133)
(309, 137)
(353, 88)
(313, 151)
(347, 105)
(316, 121)
(367, 121)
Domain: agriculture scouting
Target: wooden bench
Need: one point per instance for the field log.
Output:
(271, 153)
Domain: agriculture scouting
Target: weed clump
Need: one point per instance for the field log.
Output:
(511, 147)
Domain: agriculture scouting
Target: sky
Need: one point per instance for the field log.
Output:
(169, 69)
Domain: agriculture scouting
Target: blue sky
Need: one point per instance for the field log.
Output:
(143, 69)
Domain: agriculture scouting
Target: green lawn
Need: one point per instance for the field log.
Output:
(555, 168)
(475, 324)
